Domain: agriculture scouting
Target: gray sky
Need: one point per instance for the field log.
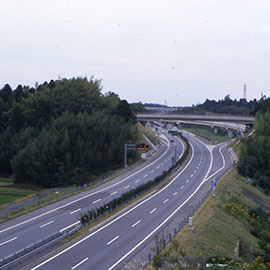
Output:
(181, 51)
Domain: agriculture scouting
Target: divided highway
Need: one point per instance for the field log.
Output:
(121, 239)
(22, 231)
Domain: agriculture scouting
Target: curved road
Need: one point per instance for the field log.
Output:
(24, 230)
(123, 238)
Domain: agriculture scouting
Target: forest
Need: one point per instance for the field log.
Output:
(255, 151)
(223, 106)
(63, 132)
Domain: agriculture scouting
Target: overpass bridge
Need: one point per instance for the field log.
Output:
(241, 120)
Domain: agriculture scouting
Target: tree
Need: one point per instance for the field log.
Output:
(123, 110)
(17, 120)
(18, 93)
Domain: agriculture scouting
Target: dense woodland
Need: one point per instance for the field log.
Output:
(255, 152)
(62, 132)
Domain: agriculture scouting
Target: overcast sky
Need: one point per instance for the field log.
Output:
(178, 51)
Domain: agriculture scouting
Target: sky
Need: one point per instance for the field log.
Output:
(173, 52)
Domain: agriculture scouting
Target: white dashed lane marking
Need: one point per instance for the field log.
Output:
(8, 241)
(96, 201)
(136, 223)
(46, 224)
(75, 211)
(113, 240)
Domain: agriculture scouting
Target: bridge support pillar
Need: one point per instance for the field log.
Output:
(230, 133)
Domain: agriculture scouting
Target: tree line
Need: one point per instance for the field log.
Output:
(63, 132)
(222, 106)
(254, 159)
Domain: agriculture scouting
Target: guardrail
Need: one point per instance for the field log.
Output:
(58, 195)
(23, 253)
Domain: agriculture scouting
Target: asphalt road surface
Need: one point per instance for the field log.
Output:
(126, 236)
(24, 230)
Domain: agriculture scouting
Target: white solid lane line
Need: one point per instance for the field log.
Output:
(136, 223)
(124, 214)
(46, 224)
(96, 201)
(1, 244)
(84, 197)
(153, 210)
(78, 264)
(113, 192)
(75, 211)
(113, 240)
(165, 200)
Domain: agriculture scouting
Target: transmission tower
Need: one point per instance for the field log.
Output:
(245, 92)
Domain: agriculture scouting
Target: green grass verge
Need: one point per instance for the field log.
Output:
(6, 180)
(206, 134)
(215, 231)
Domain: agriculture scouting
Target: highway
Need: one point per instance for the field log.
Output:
(24, 230)
(124, 237)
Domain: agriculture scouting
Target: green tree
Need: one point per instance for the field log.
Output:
(17, 120)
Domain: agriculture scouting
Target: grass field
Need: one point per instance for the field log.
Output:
(206, 133)
(215, 231)
(10, 194)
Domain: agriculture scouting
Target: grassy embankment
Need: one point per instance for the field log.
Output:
(215, 231)
(206, 133)
(9, 193)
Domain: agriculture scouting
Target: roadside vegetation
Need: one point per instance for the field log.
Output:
(63, 132)
(9, 193)
(239, 213)
(206, 132)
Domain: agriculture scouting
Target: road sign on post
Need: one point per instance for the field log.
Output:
(214, 183)
(142, 147)
(128, 146)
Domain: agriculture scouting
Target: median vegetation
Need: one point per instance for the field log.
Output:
(94, 214)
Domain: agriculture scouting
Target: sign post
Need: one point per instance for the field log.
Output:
(214, 183)
(135, 147)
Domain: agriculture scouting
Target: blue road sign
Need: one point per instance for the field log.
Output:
(214, 182)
